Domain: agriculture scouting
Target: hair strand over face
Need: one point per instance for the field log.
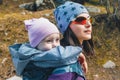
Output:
(70, 39)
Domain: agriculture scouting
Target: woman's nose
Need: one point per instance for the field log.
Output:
(88, 24)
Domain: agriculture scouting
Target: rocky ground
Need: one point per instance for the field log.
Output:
(105, 32)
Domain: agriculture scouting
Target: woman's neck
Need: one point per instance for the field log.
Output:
(81, 41)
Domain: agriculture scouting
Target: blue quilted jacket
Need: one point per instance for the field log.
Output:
(30, 62)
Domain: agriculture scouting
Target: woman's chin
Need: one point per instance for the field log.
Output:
(87, 38)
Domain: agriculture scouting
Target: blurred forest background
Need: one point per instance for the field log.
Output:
(106, 34)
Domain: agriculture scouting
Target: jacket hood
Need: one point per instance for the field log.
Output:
(22, 54)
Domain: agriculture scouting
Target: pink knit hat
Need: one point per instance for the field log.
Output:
(38, 29)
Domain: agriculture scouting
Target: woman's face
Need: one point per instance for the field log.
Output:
(82, 27)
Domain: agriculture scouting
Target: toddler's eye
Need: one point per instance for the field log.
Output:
(48, 41)
(57, 39)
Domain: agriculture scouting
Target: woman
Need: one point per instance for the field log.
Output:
(74, 22)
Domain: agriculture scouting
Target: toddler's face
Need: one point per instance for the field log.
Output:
(49, 42)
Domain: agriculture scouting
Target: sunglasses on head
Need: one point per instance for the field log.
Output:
(82, 20)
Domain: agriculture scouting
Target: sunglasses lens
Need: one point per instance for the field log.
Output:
(82, 20)
(91, 19)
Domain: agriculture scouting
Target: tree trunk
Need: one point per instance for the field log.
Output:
(1, 1)
(118, 10)
(108, 6)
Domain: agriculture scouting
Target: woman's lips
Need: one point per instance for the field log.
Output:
(88, 31)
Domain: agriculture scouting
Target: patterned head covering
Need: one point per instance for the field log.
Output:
(66, 13)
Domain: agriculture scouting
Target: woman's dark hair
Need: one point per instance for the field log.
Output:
(69, 38)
